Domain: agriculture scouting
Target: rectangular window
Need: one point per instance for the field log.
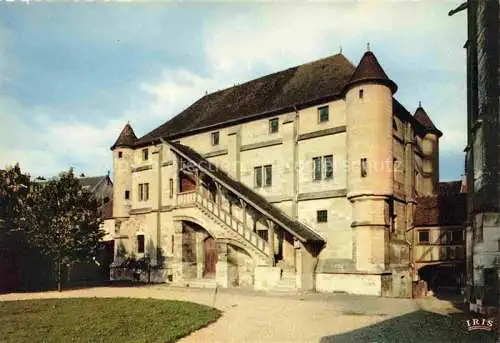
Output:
(120, 154)
(423, 237)
(323, 114)
(145, 154)
(317, 168)
(455, 237)
(257, 172)
(143, 191)
(328, 167)
(127, 195)
(140, 244)
(364, 167)
(322, 216)
(268, 176)
(171, 188)
(215, 138)
(273, 125)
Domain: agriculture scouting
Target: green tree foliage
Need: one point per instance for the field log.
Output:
(63, 221)
(14, 188)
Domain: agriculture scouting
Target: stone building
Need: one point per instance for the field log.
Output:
(439, 236)
(483, 154)
(303, 179)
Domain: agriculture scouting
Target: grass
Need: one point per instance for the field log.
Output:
(101, 320)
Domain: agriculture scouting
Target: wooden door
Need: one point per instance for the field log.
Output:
(210, 257)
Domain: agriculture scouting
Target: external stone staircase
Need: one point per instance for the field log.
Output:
(235, 229)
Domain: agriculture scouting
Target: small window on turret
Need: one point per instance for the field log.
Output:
(364, 167)
(120, 154)
(127, 195)
(145, 154)
(361, 94)
(323, 114)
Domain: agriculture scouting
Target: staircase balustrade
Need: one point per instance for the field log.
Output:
(211, 207)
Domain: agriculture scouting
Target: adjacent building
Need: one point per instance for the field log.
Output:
(483, 154)
(439, 236)
(304, 179)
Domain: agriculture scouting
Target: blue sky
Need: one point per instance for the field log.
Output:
(72, 74)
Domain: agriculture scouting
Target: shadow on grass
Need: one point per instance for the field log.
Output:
(418, 326)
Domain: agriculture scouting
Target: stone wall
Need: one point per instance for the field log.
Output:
(349, 283)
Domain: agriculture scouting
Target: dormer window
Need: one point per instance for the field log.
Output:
(145, 154)
(215, 138)
(323, 115)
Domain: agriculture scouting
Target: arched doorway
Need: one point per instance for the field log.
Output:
(199, 252)
(210, 252)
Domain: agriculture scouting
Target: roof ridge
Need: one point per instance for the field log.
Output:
(322, 78)
(278, 72)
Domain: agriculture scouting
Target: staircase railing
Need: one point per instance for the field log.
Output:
(204, 203)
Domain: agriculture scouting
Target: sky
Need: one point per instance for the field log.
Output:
(73, 74)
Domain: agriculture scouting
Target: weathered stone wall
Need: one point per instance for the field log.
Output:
(349, 283)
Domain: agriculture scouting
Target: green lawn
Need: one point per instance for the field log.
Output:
(101, 320)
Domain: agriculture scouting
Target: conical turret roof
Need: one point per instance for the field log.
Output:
(127, 138)
(370, 71)
(422, 117)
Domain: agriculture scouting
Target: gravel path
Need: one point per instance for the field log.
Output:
(261, 317)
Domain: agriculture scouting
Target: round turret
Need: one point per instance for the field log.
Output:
(430, 150)
(368, 97)
(122, 175)
(369, 115)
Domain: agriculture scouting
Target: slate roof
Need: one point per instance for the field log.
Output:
(127, 138)
(450, 188)
(316, 81)
(91, 182)
(297, 229)
(422, 117)
(285, 91)
(106, 210)
(369, 70)
(449, 207)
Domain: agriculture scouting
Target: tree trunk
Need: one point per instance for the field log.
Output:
(59, 288)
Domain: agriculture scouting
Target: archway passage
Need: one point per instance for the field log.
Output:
(210, 251)
(199, 252)
(443, 279)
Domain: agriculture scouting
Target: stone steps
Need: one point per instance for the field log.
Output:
(287, 283)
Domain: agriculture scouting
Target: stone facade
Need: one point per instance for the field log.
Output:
(483, 155)
(339, 227)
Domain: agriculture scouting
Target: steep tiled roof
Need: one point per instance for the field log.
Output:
(127, 138)
(422, 117)
(90, 182)
(296, 228)
(369, 70)
(316, 81)
(106, 210)
(450, 188)
(441, 210)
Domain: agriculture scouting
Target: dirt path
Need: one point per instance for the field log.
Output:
(256, 317)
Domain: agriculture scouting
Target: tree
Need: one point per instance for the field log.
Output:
(63, 221)
(14, 187)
